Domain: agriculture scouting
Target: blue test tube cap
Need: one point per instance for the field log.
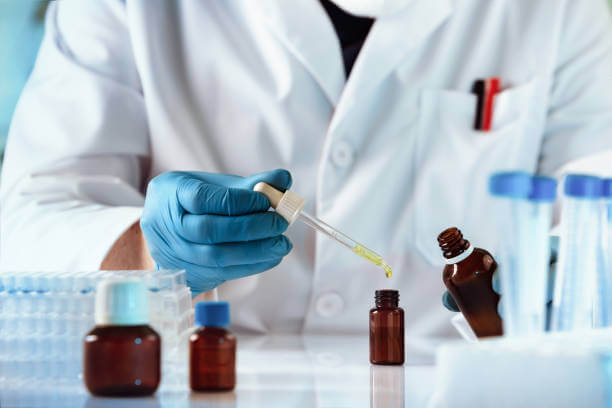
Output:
(583, 186)
(510, 184)
(543, 189)
(212, 314)
(607, 188)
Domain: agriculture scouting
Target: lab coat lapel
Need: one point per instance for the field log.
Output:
(304, 28)
(389, 41)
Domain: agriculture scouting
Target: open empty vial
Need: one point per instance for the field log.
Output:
(387, 329)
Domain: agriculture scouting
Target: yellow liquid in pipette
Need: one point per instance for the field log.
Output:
(387, 268)
(374, 258)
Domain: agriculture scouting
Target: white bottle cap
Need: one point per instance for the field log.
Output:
(288, 204)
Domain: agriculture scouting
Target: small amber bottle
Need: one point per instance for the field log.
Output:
(212, 349)
(122, 354)
(467, 276)
(387, 329)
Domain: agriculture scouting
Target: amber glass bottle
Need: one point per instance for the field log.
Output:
(387, 329)
(467, 276)
(212, 349)
(122, 354)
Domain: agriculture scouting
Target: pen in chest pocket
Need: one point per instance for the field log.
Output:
(485, 90)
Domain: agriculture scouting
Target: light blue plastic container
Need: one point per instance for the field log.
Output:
(534, 274)
(603, 305)
(511, 189)
(579, 254)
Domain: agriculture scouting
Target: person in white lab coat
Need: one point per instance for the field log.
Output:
(127, 91)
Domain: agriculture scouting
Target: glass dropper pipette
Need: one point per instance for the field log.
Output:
(289, 205)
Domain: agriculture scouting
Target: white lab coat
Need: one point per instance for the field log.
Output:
(125, 90)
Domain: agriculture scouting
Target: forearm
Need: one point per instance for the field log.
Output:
(129, 252)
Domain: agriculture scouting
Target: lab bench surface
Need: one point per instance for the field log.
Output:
(286, 371)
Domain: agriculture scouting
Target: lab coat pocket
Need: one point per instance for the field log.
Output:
(455, 161)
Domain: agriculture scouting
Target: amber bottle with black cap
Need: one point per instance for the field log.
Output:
(467, 276)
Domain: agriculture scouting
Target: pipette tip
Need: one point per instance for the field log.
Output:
(387, 268)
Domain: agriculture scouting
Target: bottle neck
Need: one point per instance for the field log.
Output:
(452, 243)
(386, 299)
(209, 326)
(212, 330)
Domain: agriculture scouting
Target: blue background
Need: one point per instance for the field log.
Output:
(21, 29)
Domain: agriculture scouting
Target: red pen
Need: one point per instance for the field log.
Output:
(485, 90)
(492, 89)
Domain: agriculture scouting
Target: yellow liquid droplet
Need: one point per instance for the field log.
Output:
(373, 257)
(388, 272)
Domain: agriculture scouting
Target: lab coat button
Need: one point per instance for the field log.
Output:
(329, 304)
(342, 154)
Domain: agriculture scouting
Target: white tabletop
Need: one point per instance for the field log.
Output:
(287, 371)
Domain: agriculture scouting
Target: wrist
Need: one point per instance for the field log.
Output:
(129, 252)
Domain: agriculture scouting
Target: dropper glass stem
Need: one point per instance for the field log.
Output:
(289, 206)
(348, 242)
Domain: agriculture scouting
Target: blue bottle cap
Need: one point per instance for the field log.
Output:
(583, 186)
(543, 189)
(511, 184)
(607, 188)
(212, 314)
(122, 302)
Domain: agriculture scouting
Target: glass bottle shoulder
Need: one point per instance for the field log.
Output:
(393, 310)
(480, 260)
(118, 333)
(212, 336)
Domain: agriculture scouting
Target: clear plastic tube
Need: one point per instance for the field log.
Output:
(512, 190)
(343, 239)
(579, 257)
(603, 303)
(534, 277)
(513, 263)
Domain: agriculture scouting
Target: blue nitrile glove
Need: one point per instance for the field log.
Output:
(450, 304)
(214, 226)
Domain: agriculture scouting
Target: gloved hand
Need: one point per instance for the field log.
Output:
(450, 304)
(214, 226)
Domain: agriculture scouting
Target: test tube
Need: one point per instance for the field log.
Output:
(512, 191)
(537, 262)
(604, 279)
(579, 253)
